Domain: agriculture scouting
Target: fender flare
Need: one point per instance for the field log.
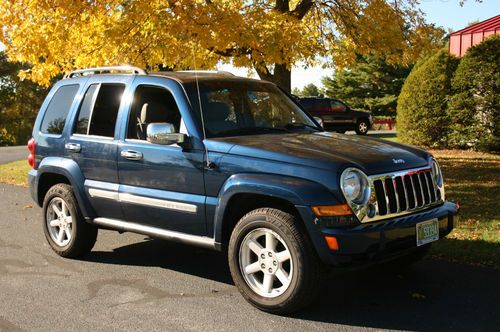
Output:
(297, 191)
(69, 169)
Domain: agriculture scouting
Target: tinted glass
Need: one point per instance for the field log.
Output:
(337, 106)
(57, 111)
(151, 105)
(86, 110)
(99, 117)
(233, 108)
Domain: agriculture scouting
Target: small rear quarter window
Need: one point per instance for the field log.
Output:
(55, 116)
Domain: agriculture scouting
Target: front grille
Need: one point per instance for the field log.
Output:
(403, 191)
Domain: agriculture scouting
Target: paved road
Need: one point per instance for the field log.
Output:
(129, 282)
(13, 153)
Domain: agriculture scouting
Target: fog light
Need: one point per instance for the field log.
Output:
(332, 243)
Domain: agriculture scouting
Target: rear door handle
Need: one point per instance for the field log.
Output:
(131, 155)
(73, 147)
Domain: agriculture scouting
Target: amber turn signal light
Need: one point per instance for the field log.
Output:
(332, 210)
(332, 242)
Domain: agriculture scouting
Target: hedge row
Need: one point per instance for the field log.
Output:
(448, 102)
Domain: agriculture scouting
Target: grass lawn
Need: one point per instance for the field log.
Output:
(15, 173)
(471, 179)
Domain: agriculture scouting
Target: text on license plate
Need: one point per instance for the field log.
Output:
(427, 231)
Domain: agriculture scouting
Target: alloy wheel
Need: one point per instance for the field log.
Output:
(265, 262)
(59, 222)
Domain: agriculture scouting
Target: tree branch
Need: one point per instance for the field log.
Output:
(303, 8)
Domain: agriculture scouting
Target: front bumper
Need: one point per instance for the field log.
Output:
(380, 240)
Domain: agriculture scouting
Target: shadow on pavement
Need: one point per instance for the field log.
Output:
(431, 295)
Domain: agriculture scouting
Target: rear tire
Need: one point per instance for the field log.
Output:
(362, 127)
(273, 263)
(63, 224)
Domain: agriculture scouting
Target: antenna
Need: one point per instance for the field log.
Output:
(210, 165)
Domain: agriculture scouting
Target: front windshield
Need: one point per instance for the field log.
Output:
(234, 108)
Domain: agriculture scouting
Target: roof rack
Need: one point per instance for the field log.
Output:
(217, 72)
(105, 70)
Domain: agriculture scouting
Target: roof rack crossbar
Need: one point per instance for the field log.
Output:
(107, 69)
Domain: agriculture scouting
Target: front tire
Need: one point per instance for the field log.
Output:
(273, 263)
(362, 127)
(63, 224)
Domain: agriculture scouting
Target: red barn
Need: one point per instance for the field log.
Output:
(461, 40)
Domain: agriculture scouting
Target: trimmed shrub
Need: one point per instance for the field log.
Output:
(422, 117)
(474, 108)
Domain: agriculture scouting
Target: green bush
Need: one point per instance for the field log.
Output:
(422, 117)
(474, 108)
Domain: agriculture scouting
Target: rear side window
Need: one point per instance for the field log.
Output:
(99, 110)
(57, 111)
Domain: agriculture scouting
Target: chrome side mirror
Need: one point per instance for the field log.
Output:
(164, 134)
(319, 120)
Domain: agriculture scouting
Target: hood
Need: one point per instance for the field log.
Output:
(325, 150)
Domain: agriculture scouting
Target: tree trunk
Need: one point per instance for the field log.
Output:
(282, 76)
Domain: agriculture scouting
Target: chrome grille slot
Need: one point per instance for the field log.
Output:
(430, 183)
(417, 189)
(403, 192)
(410, 192)
(381, 201)
(391, 195)
(425, 187)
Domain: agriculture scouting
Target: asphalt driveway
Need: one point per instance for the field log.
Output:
(130, 282)
(13, 153)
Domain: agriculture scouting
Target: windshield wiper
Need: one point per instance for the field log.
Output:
(300, 125)
(251, 130)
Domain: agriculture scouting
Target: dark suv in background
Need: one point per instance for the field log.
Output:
(336, 115)
(232, 164)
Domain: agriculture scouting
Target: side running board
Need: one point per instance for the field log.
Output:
(124, 226)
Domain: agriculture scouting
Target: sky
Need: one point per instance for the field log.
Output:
(445, 13)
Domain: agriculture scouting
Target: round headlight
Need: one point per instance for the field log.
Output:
(436, 173)
(354, 184)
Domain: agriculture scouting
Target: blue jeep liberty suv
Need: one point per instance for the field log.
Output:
(228, 163)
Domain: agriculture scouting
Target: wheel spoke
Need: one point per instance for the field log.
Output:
(252, 268)
(54, 223)
(282, 277)
(283, 256)
(270, 241)
(69, 219)
(255, 246)
(68, 233)
(60, 235)
(267, 283)
(56, 209)
(65, 210)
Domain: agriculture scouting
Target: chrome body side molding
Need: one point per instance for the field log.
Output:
(124, 226)
(143, 200)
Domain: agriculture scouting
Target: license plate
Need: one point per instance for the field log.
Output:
(427, 231)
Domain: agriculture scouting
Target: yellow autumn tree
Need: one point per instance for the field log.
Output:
(56, 36)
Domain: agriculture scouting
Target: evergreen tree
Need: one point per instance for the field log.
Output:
(423, 102)
(370, 84)
(475, 105)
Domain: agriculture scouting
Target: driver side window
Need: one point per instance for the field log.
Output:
(337, 106)
(152, 105)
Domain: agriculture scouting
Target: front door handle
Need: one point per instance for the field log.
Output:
(131, 155)
(73, 147)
